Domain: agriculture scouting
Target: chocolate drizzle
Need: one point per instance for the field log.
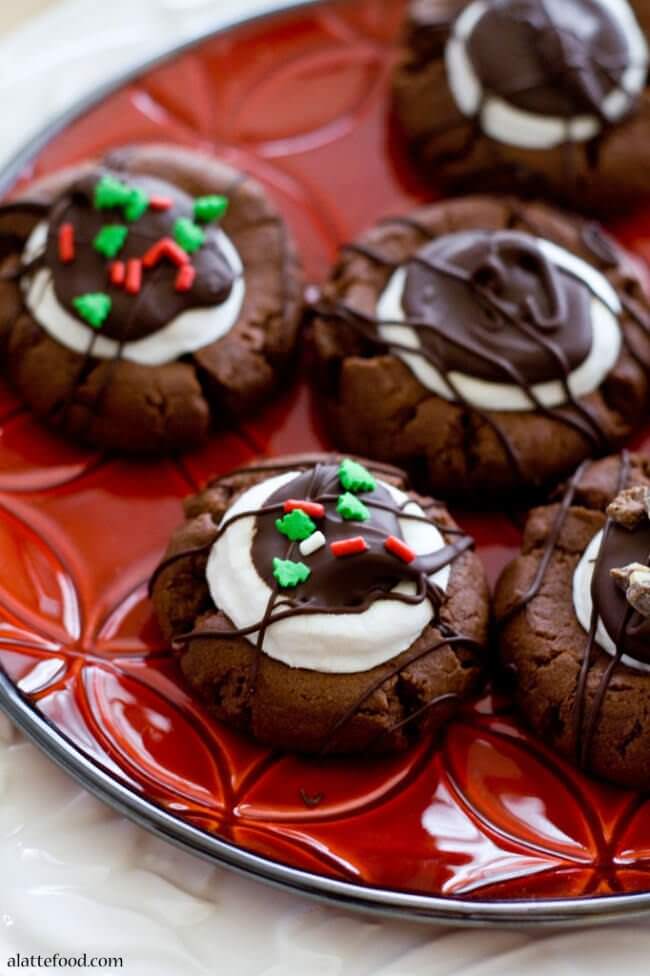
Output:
(337, 586)
(343, 585)
(629, 632)
(498, 289)
(492, 304)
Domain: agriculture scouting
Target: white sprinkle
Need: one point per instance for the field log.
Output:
(315, 542)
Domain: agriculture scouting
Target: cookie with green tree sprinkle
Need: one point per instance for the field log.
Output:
(148, 297)
(290, 638)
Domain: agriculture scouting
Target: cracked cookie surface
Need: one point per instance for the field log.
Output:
(378, 709)
(473, 117)
(378, 404)
(139, 402)
(581, 700)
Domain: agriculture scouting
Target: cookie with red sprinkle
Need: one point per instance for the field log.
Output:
(146, 297)
(316, 630)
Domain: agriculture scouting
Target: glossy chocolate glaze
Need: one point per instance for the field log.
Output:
(158, 302)
(497, 289)
(563, 56)
(340, 584)
(506, 313)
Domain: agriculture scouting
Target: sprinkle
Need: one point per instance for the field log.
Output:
(185, 278)
(117, 273)
(165, 248)
(66, 243)
(188, 235)
(154, 254)
(110, 240)
(349, 547)
(175, 253)
(354, 477)
(94, 308)
(210, 208)
(311, 545)
(110, 193)
(296, 525)
(315, 509)
(136, 206)
(290, 574)
(399, 548)
(133, 276)
(161, 203)
(352, 508)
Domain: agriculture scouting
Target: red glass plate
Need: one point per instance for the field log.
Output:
(487, 825)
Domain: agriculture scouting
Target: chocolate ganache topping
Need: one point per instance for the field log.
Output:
(354, 580)
(564, 57)
(628, 629)
(127, 256)
(498, 290)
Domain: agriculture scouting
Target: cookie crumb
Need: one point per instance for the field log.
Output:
(634, 579)
(630, 507)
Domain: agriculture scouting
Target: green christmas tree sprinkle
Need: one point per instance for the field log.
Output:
(110, 240)
(352, 508)
(111, 193)
(290, 574)
(354, 477)
(210, 208)
(188, 235)
(297, 525)
(136, 206)
(94, 308)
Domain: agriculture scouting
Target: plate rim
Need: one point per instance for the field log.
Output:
(388, 902)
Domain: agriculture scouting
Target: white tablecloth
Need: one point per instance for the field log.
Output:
(76, 877)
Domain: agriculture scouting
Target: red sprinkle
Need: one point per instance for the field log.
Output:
(134, 276)
(399, 549)
(154, 254)
(165, 248)
(185, 277)
(160, 203)
(117, 271)
(349, 547)
(175, 253)
(66, 243)
(315, 509)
